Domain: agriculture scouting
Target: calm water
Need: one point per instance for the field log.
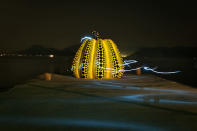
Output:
(16, 70)
(187, 66)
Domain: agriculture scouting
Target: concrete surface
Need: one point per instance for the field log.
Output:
(144, 103)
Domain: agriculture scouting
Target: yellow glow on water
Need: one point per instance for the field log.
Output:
(124, 55)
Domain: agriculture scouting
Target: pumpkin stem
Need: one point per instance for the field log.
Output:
(95, 34)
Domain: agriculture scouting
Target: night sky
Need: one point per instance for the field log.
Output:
(134, 24)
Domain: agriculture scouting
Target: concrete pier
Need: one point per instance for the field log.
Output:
(144, 102)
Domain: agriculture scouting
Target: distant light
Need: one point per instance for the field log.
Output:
(19, 55)
(51, 56)
(86, 37)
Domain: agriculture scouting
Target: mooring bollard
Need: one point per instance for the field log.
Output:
(47, 76)
(138, 71)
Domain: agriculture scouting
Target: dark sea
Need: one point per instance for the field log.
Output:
(17, 70)
(186, 66)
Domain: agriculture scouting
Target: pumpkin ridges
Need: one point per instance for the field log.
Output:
(120, 62)
(108, 61)
(77, 58)
(92, 60)
(98, 59)
(84, 61)
(114, 69)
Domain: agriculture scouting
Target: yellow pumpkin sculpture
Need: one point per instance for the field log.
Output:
(98, 59)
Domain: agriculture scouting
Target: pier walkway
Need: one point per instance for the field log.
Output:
(139, 103)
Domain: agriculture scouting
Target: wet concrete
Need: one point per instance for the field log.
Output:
(143, 102)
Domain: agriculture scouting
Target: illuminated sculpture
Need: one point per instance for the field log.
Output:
(97, 59)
